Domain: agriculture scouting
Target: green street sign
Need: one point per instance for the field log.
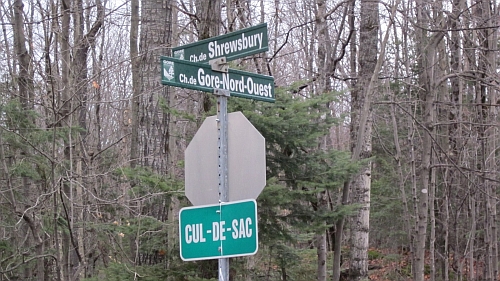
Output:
(218, 231)
(233, 45)
(201, 77)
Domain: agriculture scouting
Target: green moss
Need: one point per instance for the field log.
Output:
(374, 254)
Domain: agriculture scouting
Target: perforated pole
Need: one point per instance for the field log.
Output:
(222, 124)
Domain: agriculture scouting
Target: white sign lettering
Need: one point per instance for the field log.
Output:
(245, 42)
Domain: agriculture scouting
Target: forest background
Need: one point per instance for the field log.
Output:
(381, 145)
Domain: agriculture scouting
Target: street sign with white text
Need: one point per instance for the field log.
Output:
(201, 77)
(218, 231)
(232, 45)
(229, 165)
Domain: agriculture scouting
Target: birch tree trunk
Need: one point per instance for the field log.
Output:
(324, 53)
(361, 137)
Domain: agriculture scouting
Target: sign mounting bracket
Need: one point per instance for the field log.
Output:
(221, 92)
(219, 64)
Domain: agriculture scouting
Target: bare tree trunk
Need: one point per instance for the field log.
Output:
(83, 42)
(133, 114)
(74, 113)
(10, 66)
(26, 98)
(427, 48)
(441, 95)
(149, 110)
(175, 155)
(473, 222)
(423, 197)
(80, 70)
(398, 156)
(432, 237)
(275, 31)
(69, 250)
(209, 15)
(339, 225)
(455, 137)
(401, 178)
(321, 250)
(64, 112)
(324, 53)
(136, 89)
(156, 35)
(361, 136)
(488, 66)
(50, 105)
(25, 80)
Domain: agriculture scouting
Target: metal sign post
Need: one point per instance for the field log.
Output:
(203, 66)
(222, 152)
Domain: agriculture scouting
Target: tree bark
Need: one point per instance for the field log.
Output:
(136, 88)
(209, 15)
(132, 118)
(361, 134)
(427, 49)
(324, 53)
(487, 98)
(155, 40)
(149, 112)
(25, 79)
(26, 98)
(339, 225)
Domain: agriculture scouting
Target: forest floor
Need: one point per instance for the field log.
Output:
(385, 265)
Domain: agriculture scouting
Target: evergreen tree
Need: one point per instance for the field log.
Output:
(297, 171)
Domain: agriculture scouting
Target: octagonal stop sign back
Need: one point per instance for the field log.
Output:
(246, 162)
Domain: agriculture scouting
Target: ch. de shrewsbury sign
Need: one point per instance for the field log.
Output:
(232, 46)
